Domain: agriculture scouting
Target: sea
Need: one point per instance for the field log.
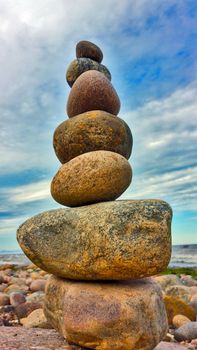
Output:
(182, 256)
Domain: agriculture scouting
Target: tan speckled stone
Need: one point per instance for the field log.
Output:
(92, 131)
(92, 91)
(111, 240)
(88, 49)
(102, 316)
(91, 177)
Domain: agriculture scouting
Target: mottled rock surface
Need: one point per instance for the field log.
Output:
(92, 91)
(111, 240)
(90, 178)
(121, 315)
(92, 131)
(169, 346)
(81, 65)
(88, 49)
(176, 306)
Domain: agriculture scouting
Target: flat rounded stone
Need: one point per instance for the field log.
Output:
(81, 65)
(129, 315)
(116, 240)
(92, 131)
(90, 178)
(92, 91)
(85, 48)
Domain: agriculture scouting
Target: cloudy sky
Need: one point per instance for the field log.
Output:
(150, 49)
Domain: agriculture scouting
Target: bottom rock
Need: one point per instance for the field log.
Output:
(107, 315)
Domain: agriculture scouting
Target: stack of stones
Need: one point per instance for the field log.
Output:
(102, 252)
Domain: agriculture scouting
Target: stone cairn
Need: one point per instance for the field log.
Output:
(102, 252)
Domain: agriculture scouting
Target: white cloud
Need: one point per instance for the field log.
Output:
(30, 193)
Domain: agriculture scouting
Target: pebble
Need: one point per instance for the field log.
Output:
(88, 49)
(112, 245)
(81, 65)
(17, 298)
(23, 310)
(92, 131)
(4, 299)
(90, 178)
(38, 285)
(36, 319)
(180, 320)
(186, 332)
(92, 91)
(107, 315)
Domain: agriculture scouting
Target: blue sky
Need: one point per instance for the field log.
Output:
(150, 49)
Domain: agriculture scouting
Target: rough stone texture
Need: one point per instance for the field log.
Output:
(19, 338)
(17, 298)
(169, 346)
(182, 292)
(23, 310)
(121, 315)
(166, 281)
(186, 332)
(92, 131)
(90, 178)
(81, 65)
(88, 49)
(92, 91)
(180, 320)
(36, 319)
(175, 306)
(112, 240)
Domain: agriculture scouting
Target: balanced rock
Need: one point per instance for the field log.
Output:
(107, 241)
(91, 177)
(180, 320)
(92, 91)
(81, 65)
(92, 131)
(87, 49)
(122, 315)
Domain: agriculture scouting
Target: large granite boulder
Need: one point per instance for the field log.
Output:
(122, 315)
(111, 240)
(92, 131)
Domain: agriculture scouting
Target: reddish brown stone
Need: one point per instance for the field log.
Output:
(92, 131)
(122, 315)
(92, 91)
(90, 178)
(87, 49)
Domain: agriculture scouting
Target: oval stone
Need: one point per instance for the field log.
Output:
(81, 65)
(92, 91)
(92, 131)
(116, 240)
(129, 315)
(90, 178)
(86, 48)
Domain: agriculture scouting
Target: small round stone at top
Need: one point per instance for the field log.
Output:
(89, 50)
